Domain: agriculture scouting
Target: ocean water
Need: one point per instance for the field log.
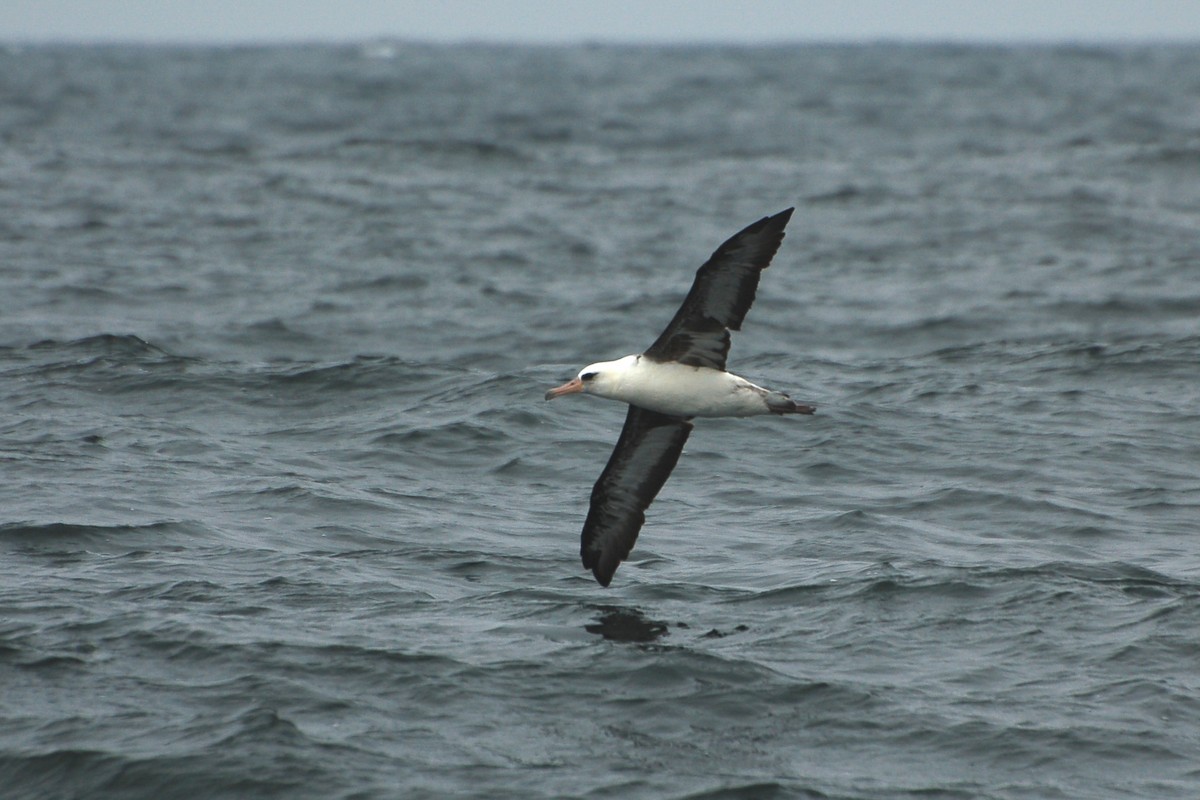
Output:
(283, 512)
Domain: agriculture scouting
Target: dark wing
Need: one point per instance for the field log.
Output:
(645, 454)
(720, 297)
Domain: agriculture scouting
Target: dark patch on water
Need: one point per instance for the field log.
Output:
(626, 625)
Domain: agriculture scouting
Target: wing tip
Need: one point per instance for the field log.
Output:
(775, 223)
(781, 218)
(602, 571)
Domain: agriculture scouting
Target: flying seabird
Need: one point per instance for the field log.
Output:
(681, 376)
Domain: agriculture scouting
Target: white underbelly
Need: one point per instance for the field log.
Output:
(691, 391)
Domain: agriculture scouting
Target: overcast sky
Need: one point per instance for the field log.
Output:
(599, 20)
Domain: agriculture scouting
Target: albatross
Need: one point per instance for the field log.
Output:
(679, 377)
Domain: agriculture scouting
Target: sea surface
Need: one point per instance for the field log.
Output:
(283, 513)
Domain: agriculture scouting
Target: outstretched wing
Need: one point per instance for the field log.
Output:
(720, 297)
(645, 454)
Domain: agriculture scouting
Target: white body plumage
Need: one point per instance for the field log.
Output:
(678, 389)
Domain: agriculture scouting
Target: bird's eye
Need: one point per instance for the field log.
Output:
(587, 376)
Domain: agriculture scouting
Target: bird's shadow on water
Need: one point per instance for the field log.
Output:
(619, 624)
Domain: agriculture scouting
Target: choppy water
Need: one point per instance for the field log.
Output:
(283, 513)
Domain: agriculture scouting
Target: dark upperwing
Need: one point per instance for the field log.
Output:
(645, 454)
(721, 295)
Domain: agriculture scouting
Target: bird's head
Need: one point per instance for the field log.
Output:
(602, 379)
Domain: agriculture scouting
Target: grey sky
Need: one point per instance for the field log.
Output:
(599, 20)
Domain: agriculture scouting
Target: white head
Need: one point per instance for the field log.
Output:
(602, 379)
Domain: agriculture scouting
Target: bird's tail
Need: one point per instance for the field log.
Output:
(780, 403)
